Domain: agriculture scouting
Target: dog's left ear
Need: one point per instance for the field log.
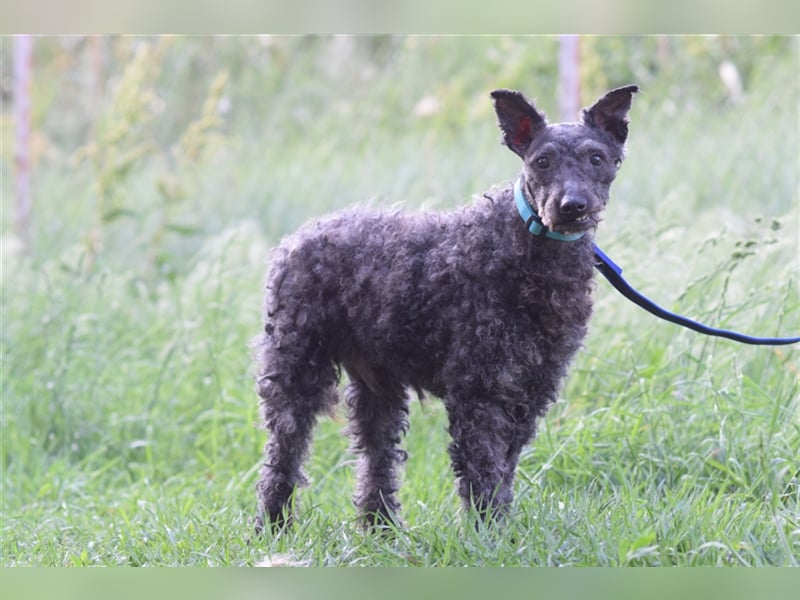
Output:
(518, 119)
(611, 112)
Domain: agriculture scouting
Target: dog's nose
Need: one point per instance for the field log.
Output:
(574, 206)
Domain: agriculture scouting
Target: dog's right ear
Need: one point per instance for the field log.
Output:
(518, 119)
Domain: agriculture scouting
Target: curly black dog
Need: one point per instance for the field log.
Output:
(483, 307)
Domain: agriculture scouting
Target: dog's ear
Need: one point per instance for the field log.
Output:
(611, 112)
(518, 119)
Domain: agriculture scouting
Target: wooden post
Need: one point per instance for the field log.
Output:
(569, 77)
(22, 65)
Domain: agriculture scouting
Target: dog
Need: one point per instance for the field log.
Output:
(484, 307)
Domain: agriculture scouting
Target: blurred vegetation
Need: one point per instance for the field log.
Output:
(272, 77)
(165, 167)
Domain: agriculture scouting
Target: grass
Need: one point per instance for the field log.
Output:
(129, 421)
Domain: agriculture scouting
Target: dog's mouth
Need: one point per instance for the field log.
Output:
(577, 225)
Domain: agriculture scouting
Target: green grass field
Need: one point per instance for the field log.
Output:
(129, 421)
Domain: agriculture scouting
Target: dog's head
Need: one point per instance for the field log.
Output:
(567, 167)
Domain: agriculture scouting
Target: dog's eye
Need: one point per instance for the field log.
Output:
(543, 162)
(618, 163)
(596, 159)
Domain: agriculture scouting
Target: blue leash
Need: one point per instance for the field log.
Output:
(613, 273)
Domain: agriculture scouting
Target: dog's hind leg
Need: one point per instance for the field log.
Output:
(296, 383)
(378, 414)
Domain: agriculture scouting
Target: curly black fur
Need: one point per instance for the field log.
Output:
(466, 305)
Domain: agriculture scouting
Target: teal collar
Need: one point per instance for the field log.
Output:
(533, 221)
